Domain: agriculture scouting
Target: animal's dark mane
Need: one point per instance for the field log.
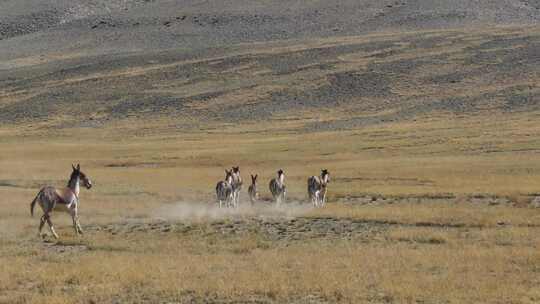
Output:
(74, 174)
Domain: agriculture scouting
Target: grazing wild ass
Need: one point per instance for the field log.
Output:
(224, 190)
(252, 190)
(236, 185)
(277, 188)
(316, 187)
(66, 199)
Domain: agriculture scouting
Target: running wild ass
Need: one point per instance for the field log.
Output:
(224, 190)
(252, 190)
(236, 185)
(316, 187)
(277, 188)
(66, 199)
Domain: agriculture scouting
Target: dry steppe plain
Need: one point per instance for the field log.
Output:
(426, 115)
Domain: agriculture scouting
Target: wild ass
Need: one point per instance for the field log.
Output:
(316, 187)
(224, 190)
(66, 199)
(236, 185)
(277, 188)
(252, 190)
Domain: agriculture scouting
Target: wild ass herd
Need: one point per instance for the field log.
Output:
(66, 199)
(228, 190)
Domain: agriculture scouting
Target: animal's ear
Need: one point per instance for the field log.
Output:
(252, 177)
(78, 167)
(256, 175)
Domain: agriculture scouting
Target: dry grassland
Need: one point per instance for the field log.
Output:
(413, 248)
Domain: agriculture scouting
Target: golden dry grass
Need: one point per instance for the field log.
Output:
(481, 262)
(404, 264)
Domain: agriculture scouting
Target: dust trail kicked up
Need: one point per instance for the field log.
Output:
(203, 211)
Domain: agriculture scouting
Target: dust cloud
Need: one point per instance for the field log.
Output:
(197, 211)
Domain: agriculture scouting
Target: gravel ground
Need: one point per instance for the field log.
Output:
(60, 57)
(112, 26)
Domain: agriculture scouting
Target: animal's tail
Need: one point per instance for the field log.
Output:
(33, 204)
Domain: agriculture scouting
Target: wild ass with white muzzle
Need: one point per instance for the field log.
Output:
(317, 186)
(66, 199)
(252, 190)
(236, 185)
(224, 190)
(277, 188)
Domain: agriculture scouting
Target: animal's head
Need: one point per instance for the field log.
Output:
(228, 175)
(254, 179)
(82, 177)
(236, 170)
(280, 173)
(325, 175)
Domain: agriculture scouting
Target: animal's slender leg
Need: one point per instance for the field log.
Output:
(72, 213)
(48, 219)
(76, 224)
(42, 222)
